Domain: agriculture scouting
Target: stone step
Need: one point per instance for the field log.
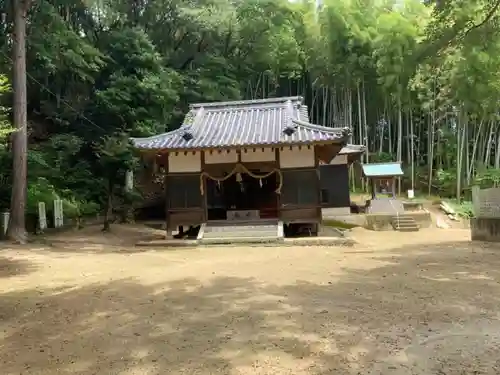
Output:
(404, 223)
(404, 219)
(240, 234)
(407, 229)
(223, 233)
(240, 240)
(245, 229)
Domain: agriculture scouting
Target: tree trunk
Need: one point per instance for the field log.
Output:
(108, 211)
(399, 150)
(360, 126)
(17, 223)
(412, 151)
(365, 126)
(497, 152)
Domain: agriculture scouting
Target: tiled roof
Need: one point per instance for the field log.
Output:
(382, 169)
(352, 149)
(352, 152)
(278, 121)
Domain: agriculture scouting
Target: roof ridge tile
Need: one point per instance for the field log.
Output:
(238, 125)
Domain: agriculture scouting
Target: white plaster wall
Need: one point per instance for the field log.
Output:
(184, 163)
(216, 157)
(339, 159)
(297, 158)
(260, 154)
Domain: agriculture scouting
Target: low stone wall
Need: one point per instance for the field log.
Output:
(412, 206)
(384, 221)
(422, 218)
(485, 229)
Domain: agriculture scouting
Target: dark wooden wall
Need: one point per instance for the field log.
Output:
(300, 196)
(185, 203)
(334, 182)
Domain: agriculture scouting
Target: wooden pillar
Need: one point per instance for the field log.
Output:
(204, 198)
(318, 185)
(394, 187)
(278, 165)
(167, 199)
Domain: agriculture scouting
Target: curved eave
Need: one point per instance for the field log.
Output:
(231, 147)
(353, 152)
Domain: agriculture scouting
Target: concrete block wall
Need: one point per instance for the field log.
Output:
(485, 229)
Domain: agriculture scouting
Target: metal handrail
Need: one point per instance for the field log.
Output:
(394, 208)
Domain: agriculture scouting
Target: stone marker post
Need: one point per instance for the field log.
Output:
(5, 222)
(476, 204)
(42, 216)
(128, 214)
(58, 213)
(129, 181)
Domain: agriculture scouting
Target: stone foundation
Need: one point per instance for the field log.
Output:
(381, 222)
(485, 230)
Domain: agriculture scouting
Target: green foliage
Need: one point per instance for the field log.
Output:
(116, 156)
(463, 209)
(5, 128)
(445, 180)
(381, 157)
(339, 224)
(42, 190)
(102, 71)
(135, 76)
(488, 178)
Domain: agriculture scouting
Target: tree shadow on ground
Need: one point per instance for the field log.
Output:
(15, 267)
(421, 294)
(91, 239)
(378, 320)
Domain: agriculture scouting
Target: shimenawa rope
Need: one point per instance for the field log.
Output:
(240, 168)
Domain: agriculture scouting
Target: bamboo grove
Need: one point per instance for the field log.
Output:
(416, 81)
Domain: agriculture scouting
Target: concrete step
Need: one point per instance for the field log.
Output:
(404, 223)
(406, 229)
(249, 232)
(404, 219)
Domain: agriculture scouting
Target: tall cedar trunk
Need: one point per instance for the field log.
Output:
(430, 150)
(412, 151)
(365, 125)
(360, 126)
(488, 145)
(474, 151)
(497, 152)
(17, 224)
(400, 138)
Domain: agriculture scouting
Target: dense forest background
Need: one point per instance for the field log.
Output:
(416, 81)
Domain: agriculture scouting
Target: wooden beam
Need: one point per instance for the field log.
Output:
(167, 200)
(317, 183)
(204, 197)
(278, 165)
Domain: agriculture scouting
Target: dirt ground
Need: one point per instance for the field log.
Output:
(396, 303)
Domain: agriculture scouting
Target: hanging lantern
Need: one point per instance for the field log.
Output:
(260, 182)
(238, 177)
